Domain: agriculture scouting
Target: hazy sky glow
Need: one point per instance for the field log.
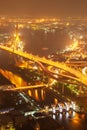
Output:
(54, 8)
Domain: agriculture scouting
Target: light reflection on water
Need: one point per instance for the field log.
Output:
(9, 126)
(6, 123)
(37, 94)
(70, 120)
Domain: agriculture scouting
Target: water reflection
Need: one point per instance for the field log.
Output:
(42, 94)
(70, 120)
(29, 93)
(6, 123)
(37, 94)
(9, 126)
(54, 116)
(15, 79)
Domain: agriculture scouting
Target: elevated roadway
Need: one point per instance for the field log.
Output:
(79, 76)
(28, 87)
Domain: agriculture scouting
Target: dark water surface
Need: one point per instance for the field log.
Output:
(70, 120)
(35, 42)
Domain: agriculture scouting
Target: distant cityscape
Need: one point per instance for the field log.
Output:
(43, 65)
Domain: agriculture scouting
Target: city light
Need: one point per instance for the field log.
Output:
(51, 80)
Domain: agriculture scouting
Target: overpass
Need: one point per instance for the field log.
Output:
(77, 74)
(28, 87)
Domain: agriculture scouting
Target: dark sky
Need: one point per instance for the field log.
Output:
(53, 8)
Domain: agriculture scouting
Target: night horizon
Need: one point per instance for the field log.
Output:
(40, 8)
(43, 65)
